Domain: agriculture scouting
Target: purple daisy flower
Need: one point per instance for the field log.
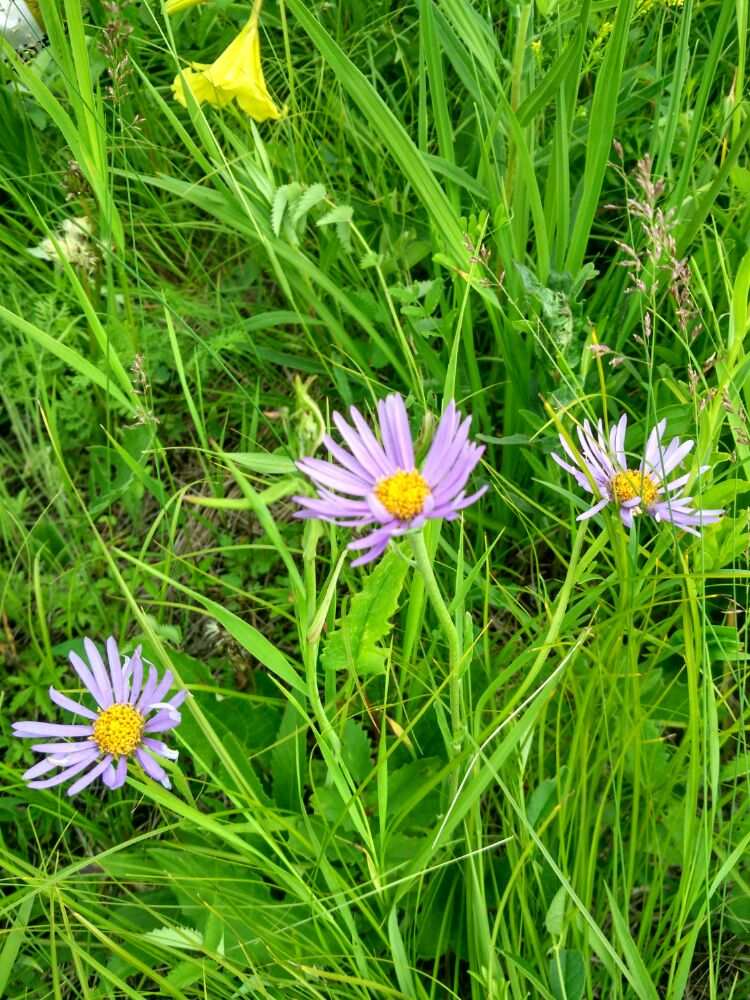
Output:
(380, 481)
(130, 710)
(602, 469)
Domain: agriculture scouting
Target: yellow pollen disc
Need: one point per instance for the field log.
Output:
(631, 484)
(403, 494)
(119, 729)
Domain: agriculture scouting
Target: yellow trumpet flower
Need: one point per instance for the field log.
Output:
(236, 75)
(175, 6)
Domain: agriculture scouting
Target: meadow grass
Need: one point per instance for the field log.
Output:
(508, 760)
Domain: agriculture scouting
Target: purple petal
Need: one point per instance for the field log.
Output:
(394, 427)
(370, 442)
(343, 457)
(152, 769)
(579, 477)
(653, 445)
(97, 665)
(442, 462)
(162, 721)
(62, 748)
(135, 666)
(92, 775)
(372, 554)
(68, 772)
(41, 767)
(114, 775)
(115, 670)
(593, 510)
(161, 748)
(69, 705)
(335, 477)
(86, 676)
(148, 688)
(370, 458)
(459, 503)
(444, 434)
(33, 729)
(161, 689)
(176, 700)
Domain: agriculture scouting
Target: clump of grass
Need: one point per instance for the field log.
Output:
(535, 789)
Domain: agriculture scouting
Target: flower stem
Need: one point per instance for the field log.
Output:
(424, 565)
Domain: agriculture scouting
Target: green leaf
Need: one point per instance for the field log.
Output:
(356, 751)
(556, 913)
(355, 643)
(567, 975)
(309, 199)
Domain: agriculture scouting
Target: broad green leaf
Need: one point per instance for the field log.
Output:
(355, 644)
(567, 975)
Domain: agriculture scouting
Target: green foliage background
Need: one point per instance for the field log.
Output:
(445, 211)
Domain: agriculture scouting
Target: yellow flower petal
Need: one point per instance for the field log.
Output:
(236, 75)
(175, 6)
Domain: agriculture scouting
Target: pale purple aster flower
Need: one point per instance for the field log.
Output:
(131, 709)
(380, 481)
(602, 469)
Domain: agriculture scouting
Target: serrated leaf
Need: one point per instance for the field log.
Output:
(355, 643)
(356, 751)
(284, 195)
(341, 213)
(307, 200)
(182, 938)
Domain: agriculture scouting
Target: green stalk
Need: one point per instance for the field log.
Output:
(424, 565)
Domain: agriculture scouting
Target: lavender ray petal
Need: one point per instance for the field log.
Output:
(401, 431)
(115, 670)
(162, 721)
(69, 705)
(336, 478)
(370, 442)
(121, 772)
(375, 461)
(92, 775)
(593, 510)
(160, 748)
(177, 699)
(579, 477)
(653, 444)
(33, 729)
(371, 555)
(446, 429)
(626, 516)
(136, 677)
(349, 462)
(86, 676)
(62, 748)
(100, 673)
(148, 688)
(161, 689)
(152, 769)
(68, 772)
(444, 463)
(390, 444)
(41, 767)
(375, 537)
(108, 777)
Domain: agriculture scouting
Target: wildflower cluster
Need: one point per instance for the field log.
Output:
(375, 483)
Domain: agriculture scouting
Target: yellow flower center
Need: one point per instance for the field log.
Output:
(631, 484)
(403, 494)
(119, 729)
